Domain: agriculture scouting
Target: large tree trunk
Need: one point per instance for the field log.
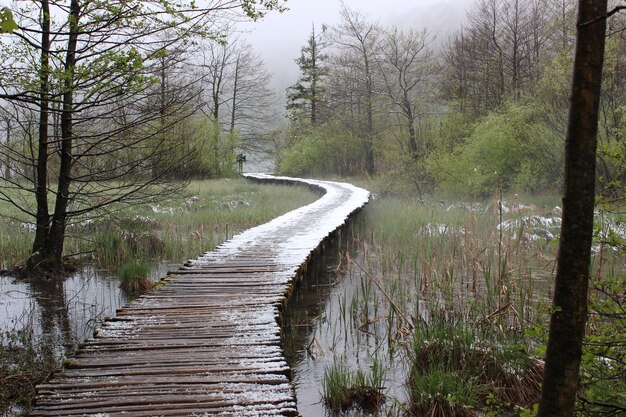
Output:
(41, 179)
(52, 252)
(567, 324)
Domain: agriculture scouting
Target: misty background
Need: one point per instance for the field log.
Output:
(278, 37)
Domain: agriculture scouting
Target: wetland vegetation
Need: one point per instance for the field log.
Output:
(425, 306)
(452, 300)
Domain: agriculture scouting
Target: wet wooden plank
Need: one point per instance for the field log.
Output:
(207, 342)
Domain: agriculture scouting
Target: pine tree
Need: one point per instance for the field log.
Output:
(305, 97)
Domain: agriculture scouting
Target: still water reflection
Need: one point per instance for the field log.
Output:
(63, 312)
(322, 327)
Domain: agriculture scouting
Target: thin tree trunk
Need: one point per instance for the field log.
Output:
(41, 179)
(233, 113)
(408, 112)
(369, 151)
(314, 78)
(7, 162)
(567, 324)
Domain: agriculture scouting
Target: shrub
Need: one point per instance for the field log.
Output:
(514, 145)
(323, 152)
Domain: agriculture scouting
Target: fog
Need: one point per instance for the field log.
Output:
(278, 38)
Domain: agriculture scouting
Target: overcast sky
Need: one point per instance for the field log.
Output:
(278, 38)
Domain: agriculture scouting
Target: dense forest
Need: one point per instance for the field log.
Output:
(486, 106)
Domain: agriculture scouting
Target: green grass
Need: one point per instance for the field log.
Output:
(458, 298)
(494, 362)
(209, 213)
(134, 277)
(440, 393)
(343, 388)
(179, 227)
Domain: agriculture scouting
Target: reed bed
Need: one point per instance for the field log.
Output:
(455, 298)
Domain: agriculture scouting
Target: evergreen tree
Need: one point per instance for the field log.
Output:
(305, 97)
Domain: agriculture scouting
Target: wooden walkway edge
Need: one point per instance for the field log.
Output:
(208, 342)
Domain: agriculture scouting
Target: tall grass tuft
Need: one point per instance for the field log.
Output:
(343, 388)
(494, 364)
(134, 277)
(439, 393)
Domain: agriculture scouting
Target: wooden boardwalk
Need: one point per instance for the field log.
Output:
(208, 342)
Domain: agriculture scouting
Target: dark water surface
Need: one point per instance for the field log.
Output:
(323, 325)
(63, 312)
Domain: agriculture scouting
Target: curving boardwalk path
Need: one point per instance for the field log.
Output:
(208, 342)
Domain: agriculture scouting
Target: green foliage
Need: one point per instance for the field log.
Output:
(212, 150)
(256, 9)
(513, 145)
(304, 98)
(401, 171)
(322, 152)
(455, 128)
(603, 366)
(7, 23)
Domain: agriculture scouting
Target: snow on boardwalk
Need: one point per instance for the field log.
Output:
(208, 342)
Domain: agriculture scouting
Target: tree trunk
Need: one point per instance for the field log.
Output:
(567, 324)
(233, 113)
(7, 162)
(41, 167)
(408, 113)
(412, 139)
(52, 251)
(314, 76)
(369, 151)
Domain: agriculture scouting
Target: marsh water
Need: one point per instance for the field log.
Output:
(63, 313)
(321, 331)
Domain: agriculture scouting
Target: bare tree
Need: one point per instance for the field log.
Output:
(356, 39)
(93, 80)
(251, 104)
(406, 66)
